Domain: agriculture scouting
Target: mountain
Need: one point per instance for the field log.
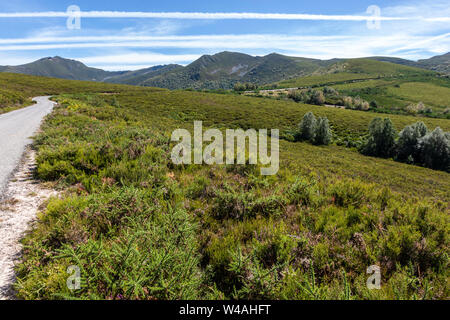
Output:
(223, 70)
(58, 67)
(137, 77)
(438, 63)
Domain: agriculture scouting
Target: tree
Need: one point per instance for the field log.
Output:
(381, 139)
(307, 127)
(322, 132)
(407, 144)
(435, 150)
(374, 104)
(296, 95)
(317, 97)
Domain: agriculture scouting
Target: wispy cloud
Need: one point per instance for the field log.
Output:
(414, 30)
(332, 45)
(136, 60)
(214, 37)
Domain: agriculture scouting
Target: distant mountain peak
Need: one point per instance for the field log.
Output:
(220, 70)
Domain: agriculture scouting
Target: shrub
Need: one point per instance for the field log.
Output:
(317, 98)
(329, 91)
(349, 193)
(373, 104)
(311, 96)
(245, 86)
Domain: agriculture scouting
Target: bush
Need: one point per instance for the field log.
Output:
(245, 86)
(311, 96)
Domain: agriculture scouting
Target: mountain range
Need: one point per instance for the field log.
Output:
(218, 71)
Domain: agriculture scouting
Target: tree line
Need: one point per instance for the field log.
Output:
(415, 144)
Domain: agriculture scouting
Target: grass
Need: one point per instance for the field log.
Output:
(428, 93)
(141, 228)
(17, 89)
(392, 86)
(11, 100)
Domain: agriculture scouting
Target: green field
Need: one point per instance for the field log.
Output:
(392, 86)
(140, 227)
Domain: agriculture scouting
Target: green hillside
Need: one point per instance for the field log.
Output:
(393, 87)
(139, 76)
(439, 63)
(141, 227)
(58, 67)
(222, 70)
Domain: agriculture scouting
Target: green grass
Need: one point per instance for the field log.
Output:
(17, 89)
(392, 86)
(428, 93)
(321, 80)
(139, 227)
(12, 100)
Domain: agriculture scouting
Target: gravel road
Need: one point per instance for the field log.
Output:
(16, 128)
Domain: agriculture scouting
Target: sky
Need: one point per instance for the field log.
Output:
(134, 34)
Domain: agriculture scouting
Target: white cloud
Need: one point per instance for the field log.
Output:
(311, 46)
(414, 31)
(135, 60)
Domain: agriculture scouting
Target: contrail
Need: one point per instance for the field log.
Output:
(208, 16)
(214, 37)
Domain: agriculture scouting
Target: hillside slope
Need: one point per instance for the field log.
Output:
(58, 67)
(163, 231)
(439, 63)
(222, 70)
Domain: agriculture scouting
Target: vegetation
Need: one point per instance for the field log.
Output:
(415, 144)
(131, 220)
(381, 140)
(140, 227)
(244, 86)
(314, 130)
(10, 100)
(396, 89)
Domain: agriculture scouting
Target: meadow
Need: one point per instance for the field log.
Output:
(391, 86)
(140, 227)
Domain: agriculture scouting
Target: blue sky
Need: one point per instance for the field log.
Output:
(327, 29)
